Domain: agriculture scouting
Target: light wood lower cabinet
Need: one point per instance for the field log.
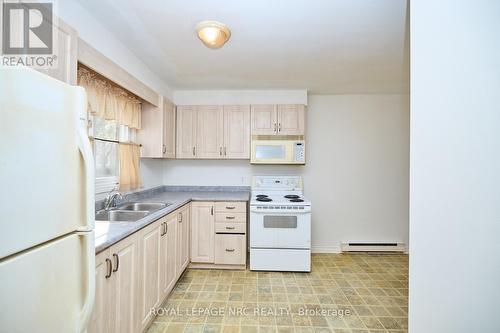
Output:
(168, 254)
(230, 249)
(202, 232)
(135, 275)
(183, 236)
(149, 271)
(116, 290)
(218, 234)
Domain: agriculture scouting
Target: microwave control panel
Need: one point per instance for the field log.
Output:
(299, 151)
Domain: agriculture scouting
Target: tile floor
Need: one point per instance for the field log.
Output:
(344, 293)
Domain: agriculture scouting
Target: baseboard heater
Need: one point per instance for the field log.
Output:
(372, 247)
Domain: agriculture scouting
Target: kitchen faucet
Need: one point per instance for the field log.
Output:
(110, 199)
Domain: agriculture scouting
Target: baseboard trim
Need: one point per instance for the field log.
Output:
(325, 249)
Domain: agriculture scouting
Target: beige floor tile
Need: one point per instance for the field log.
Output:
(373, 287)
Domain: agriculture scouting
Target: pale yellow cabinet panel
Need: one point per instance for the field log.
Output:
(184, 221)
(209, 132)
(101, 311)
(149, 271)
(157, 133)
(168, 253)
(237, 132)
(291, 119)
(124, 258)
(168, 129)
(230, 249)
(186, 131)
(66, 61)
(202, 232)
(264, 119)
(116, 289)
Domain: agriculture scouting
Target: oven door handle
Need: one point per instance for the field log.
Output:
(270, 212)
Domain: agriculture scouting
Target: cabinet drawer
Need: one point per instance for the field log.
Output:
(237, 207)
(230, 227)
(230, 249)
(231, 217)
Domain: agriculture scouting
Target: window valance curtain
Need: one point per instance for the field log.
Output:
(107, 101)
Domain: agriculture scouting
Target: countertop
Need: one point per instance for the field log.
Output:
(107, 234)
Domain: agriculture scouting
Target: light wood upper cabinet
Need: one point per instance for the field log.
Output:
(186, 131)
(184, 221)
(291, 119)
(157, 133)
(169, 129)
(168, 255)
(237, 132)
(202, 232)
(209, 132)
(264, 119)
(213, 132)
(286, 119)
(149, 271)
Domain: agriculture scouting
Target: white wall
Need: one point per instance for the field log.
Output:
(455, 167)
(228, 97)
(92, 31)
(356, 174)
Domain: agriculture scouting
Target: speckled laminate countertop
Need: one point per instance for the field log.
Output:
(109, 233)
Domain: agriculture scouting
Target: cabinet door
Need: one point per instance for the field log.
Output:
(149, 271)
(264, 120)
(186, 132)
(101, 315)
(124, 291)
(151, 136)
(168, 255)
(291, 119)
(168, 129)
(65, 68)
(202, 232)
(237, 132)
(209, 133)
(183, 239)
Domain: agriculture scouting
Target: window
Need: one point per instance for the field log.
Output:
(115, 117)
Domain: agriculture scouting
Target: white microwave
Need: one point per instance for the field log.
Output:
(278, 152)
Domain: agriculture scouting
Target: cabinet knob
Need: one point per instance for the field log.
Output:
(164, 149)
(229, 250)
(230, 228)
(230, 207)
(194, 151)
(230, 217)
(220, 151)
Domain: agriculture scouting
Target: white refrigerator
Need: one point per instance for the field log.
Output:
(46, 205)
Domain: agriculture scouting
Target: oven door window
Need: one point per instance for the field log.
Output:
(270, 152)
(280, 222)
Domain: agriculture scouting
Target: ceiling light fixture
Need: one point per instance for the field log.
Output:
(213, 34)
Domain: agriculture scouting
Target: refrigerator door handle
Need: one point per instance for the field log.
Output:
(88, 158)
(90, 279)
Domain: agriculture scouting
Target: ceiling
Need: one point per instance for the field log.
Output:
(324, 46)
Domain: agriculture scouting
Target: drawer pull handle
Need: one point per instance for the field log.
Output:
(229, 250)
(230, 217)
(230, 207)
(230, 228)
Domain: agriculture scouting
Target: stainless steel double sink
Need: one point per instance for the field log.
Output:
(129, 212)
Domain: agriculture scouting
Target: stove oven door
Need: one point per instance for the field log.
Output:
(280, 229)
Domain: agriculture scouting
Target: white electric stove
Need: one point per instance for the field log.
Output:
(280, 225)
